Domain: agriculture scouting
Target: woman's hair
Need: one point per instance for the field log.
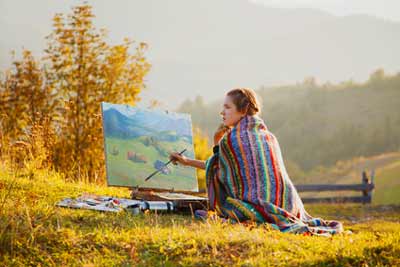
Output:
(245, 100)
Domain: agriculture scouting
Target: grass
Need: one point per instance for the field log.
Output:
(388, 184)
(387, 174)
(33, 232)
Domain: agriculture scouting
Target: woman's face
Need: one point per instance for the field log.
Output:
(230, 114)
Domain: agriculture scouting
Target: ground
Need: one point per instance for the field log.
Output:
(34, 232)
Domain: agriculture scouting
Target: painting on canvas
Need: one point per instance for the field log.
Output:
(137, 142)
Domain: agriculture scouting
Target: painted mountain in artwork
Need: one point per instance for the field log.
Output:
(143, 123)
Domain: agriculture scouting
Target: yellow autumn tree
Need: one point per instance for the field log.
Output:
(84, 70)
(26, 107)
(202, 151)
(50, 109)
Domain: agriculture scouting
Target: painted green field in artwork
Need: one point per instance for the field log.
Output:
(123, 171)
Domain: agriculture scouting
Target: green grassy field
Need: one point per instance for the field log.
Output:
(388, 184)
(387, 177)
(33, 232)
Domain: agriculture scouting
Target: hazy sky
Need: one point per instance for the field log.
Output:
(25, 23)
(387, 9)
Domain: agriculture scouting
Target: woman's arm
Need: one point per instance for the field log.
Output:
(199, 164)
(176, 157)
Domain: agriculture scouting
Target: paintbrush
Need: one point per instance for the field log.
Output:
(154, 173)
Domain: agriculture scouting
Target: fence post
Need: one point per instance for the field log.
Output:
(372, 175)
(367, 194)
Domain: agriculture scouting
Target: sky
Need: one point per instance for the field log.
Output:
(25, 24)
(387, 9)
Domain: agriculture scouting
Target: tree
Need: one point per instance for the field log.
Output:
(26, 105)
(84, 70)
(202, 151)
(377, 76)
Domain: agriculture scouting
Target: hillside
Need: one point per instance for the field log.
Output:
(386, 178)
(320, 124)
(388, 184)
(34, 232)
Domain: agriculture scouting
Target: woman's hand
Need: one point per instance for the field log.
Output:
(176, 157)
(221, 131)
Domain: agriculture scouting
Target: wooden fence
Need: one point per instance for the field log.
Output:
(366, 187)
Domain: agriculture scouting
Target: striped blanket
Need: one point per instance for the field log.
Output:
(247, 180)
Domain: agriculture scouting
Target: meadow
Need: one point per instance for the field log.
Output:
(386, 169)
(50, 119)
(34, 232)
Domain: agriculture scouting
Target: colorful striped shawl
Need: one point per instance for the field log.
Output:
(247, 180)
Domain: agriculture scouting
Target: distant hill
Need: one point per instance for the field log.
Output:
(320, 124)
(207, 47)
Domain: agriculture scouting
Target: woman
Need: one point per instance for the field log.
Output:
(246, 177)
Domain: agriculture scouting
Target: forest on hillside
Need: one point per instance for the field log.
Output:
(320, 124)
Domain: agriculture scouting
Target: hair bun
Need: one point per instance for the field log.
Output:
(245, 99)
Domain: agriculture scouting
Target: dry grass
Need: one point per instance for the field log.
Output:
(35, 232)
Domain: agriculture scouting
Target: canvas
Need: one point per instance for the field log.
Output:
(137, 142)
